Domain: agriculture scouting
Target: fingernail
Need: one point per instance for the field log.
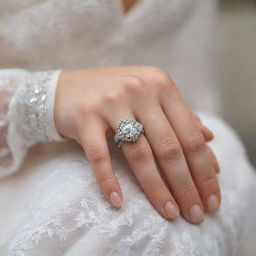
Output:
(171, 210)
(212, 203)
(115, 199)
(210, 132)
(196, 213)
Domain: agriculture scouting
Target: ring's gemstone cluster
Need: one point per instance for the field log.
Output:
(127, 130)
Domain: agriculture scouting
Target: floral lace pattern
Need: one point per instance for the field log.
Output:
(68, 206)
(8, 86)
(93, 211)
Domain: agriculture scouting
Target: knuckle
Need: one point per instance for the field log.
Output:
(104, 180)
(155, 186)
(112, 98)
(208, 182)
(134, 84)
(170, 150)
(87, 109)
(189, 195)
(97, 155)
(162, 79)
(140, 153)
(194, 143)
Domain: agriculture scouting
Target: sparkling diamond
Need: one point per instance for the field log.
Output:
(128, 130)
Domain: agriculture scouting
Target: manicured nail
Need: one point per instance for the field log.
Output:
(171, 210)
(196, 213)
(212, 203)
(115, 199)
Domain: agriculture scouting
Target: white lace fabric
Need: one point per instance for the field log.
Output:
(68, 214)
(54, 206)
(26, 114)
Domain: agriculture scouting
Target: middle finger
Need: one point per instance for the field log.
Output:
(170, 157)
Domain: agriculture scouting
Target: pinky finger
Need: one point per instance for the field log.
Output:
(94, 143)
(213, 159)
(207, 133)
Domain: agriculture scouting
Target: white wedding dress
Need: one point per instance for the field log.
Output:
(50, 203)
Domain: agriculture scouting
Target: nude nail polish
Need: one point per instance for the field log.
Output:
(196, 214)
(212, 203)
(171, 210)
(115, 199)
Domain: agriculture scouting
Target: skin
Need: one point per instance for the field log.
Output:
(89, 105)
(128, 5)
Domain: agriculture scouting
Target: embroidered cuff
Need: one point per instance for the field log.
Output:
(35, 107)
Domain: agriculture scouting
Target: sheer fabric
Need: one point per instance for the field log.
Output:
(52, 205)
(26, 118)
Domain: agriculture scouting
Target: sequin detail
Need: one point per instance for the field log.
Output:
(33, 107)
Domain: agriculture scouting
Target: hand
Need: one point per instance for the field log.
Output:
(89, 105)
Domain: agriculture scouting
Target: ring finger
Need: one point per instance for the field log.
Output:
(141, 160)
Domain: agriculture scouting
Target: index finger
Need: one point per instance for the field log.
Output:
(94, 143)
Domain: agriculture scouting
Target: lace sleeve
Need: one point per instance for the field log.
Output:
(26, 114)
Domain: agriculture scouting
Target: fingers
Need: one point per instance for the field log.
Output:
(94, 143)
(195, 150)
(141, 160)
(170, 157)
(208, 135)
(213, 159)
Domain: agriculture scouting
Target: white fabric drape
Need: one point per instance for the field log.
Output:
(52, 205)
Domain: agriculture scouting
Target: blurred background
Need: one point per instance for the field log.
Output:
(235, 53)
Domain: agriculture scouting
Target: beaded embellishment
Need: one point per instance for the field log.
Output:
(32, 107)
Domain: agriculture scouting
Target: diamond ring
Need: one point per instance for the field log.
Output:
(127, 130)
